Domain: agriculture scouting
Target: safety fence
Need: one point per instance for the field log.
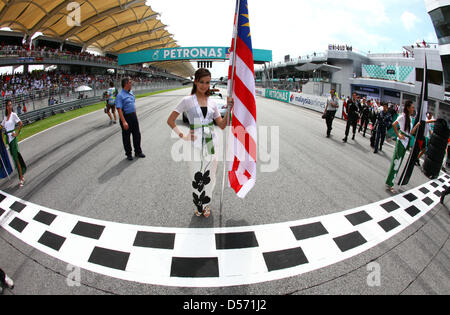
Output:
(312, 102)
(40, 108)
(36, 99)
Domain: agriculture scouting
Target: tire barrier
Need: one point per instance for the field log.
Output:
(436, 149)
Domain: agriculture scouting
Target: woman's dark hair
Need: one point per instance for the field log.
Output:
(6, 107)
(407, 116)
(199, 74)
(111, 84)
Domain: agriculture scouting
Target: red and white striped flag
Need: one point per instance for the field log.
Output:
(242, 147)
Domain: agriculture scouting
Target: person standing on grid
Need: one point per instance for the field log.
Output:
(330, 111)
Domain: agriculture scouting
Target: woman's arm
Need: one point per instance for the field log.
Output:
(174, 127)
(399, 135)
(415, 128)
(223, 123)
(20, 127)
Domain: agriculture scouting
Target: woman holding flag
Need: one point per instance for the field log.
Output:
(201, 112)
(403, 128)
(9, 125)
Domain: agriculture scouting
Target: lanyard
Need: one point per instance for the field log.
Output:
(207, 136)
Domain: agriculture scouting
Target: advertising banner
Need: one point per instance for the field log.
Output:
(187, 53)
(317, 103)
(312, 102)
(278, 95)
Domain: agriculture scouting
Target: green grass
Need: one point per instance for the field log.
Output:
(41, 125)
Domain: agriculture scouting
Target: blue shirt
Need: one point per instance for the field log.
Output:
(126, 102)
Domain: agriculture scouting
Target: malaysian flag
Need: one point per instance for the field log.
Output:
(242, 148)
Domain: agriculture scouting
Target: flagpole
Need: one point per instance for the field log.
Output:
(230, 94)
(422, 100)
(4, 167)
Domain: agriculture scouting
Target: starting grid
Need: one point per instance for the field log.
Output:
(216, 257)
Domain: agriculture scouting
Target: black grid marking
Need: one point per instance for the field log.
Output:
(285, 259)
(45, 218)
(389, 224)
(236, 240)
(154, 240)
(52, 240)
(410, 197)
(349, 241)
(438, 193)
(412, 211)
(18, 225)
(428, 201)
(424, 190)
(358, 218)
(109, 258)
(306, 231)
(390, 206)
(195, 267)
(88, 230)
(17, 206)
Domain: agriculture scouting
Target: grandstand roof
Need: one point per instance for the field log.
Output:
(113, 26)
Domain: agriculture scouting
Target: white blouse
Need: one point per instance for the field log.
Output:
(191, 106)
(402, 126)
(10, 124)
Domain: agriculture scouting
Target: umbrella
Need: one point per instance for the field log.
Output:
(83, 88)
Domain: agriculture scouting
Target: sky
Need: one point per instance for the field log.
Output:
(300, 27)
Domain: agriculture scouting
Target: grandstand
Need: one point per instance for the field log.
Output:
(78, 43)
(387, 77)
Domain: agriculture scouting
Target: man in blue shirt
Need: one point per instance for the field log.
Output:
(125, 104)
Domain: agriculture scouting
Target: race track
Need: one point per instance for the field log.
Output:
(329, 191)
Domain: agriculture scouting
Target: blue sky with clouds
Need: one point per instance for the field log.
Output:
(300, 27)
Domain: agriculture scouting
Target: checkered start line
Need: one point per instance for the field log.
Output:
(214, 257)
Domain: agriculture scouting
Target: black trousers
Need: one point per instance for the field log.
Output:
(364, 124)
(329, 119)
(381, 136)
(133, 129)
(351, 122)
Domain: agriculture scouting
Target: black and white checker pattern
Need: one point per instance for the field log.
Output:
(214, 257)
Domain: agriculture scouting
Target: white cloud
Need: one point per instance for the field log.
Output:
(294, 28)
(409, 20)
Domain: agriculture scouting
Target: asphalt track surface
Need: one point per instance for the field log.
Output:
(80, 168)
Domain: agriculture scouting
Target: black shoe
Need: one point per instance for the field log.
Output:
(375, 152)
(344, 140)
(140, 155)
(353, 138)
(129, 158)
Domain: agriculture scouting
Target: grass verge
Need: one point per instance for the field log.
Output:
(41, 125)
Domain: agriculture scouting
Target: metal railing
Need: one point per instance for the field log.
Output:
(37, 56)
(44, 103)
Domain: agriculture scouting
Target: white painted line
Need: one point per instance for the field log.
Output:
(277, 245)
